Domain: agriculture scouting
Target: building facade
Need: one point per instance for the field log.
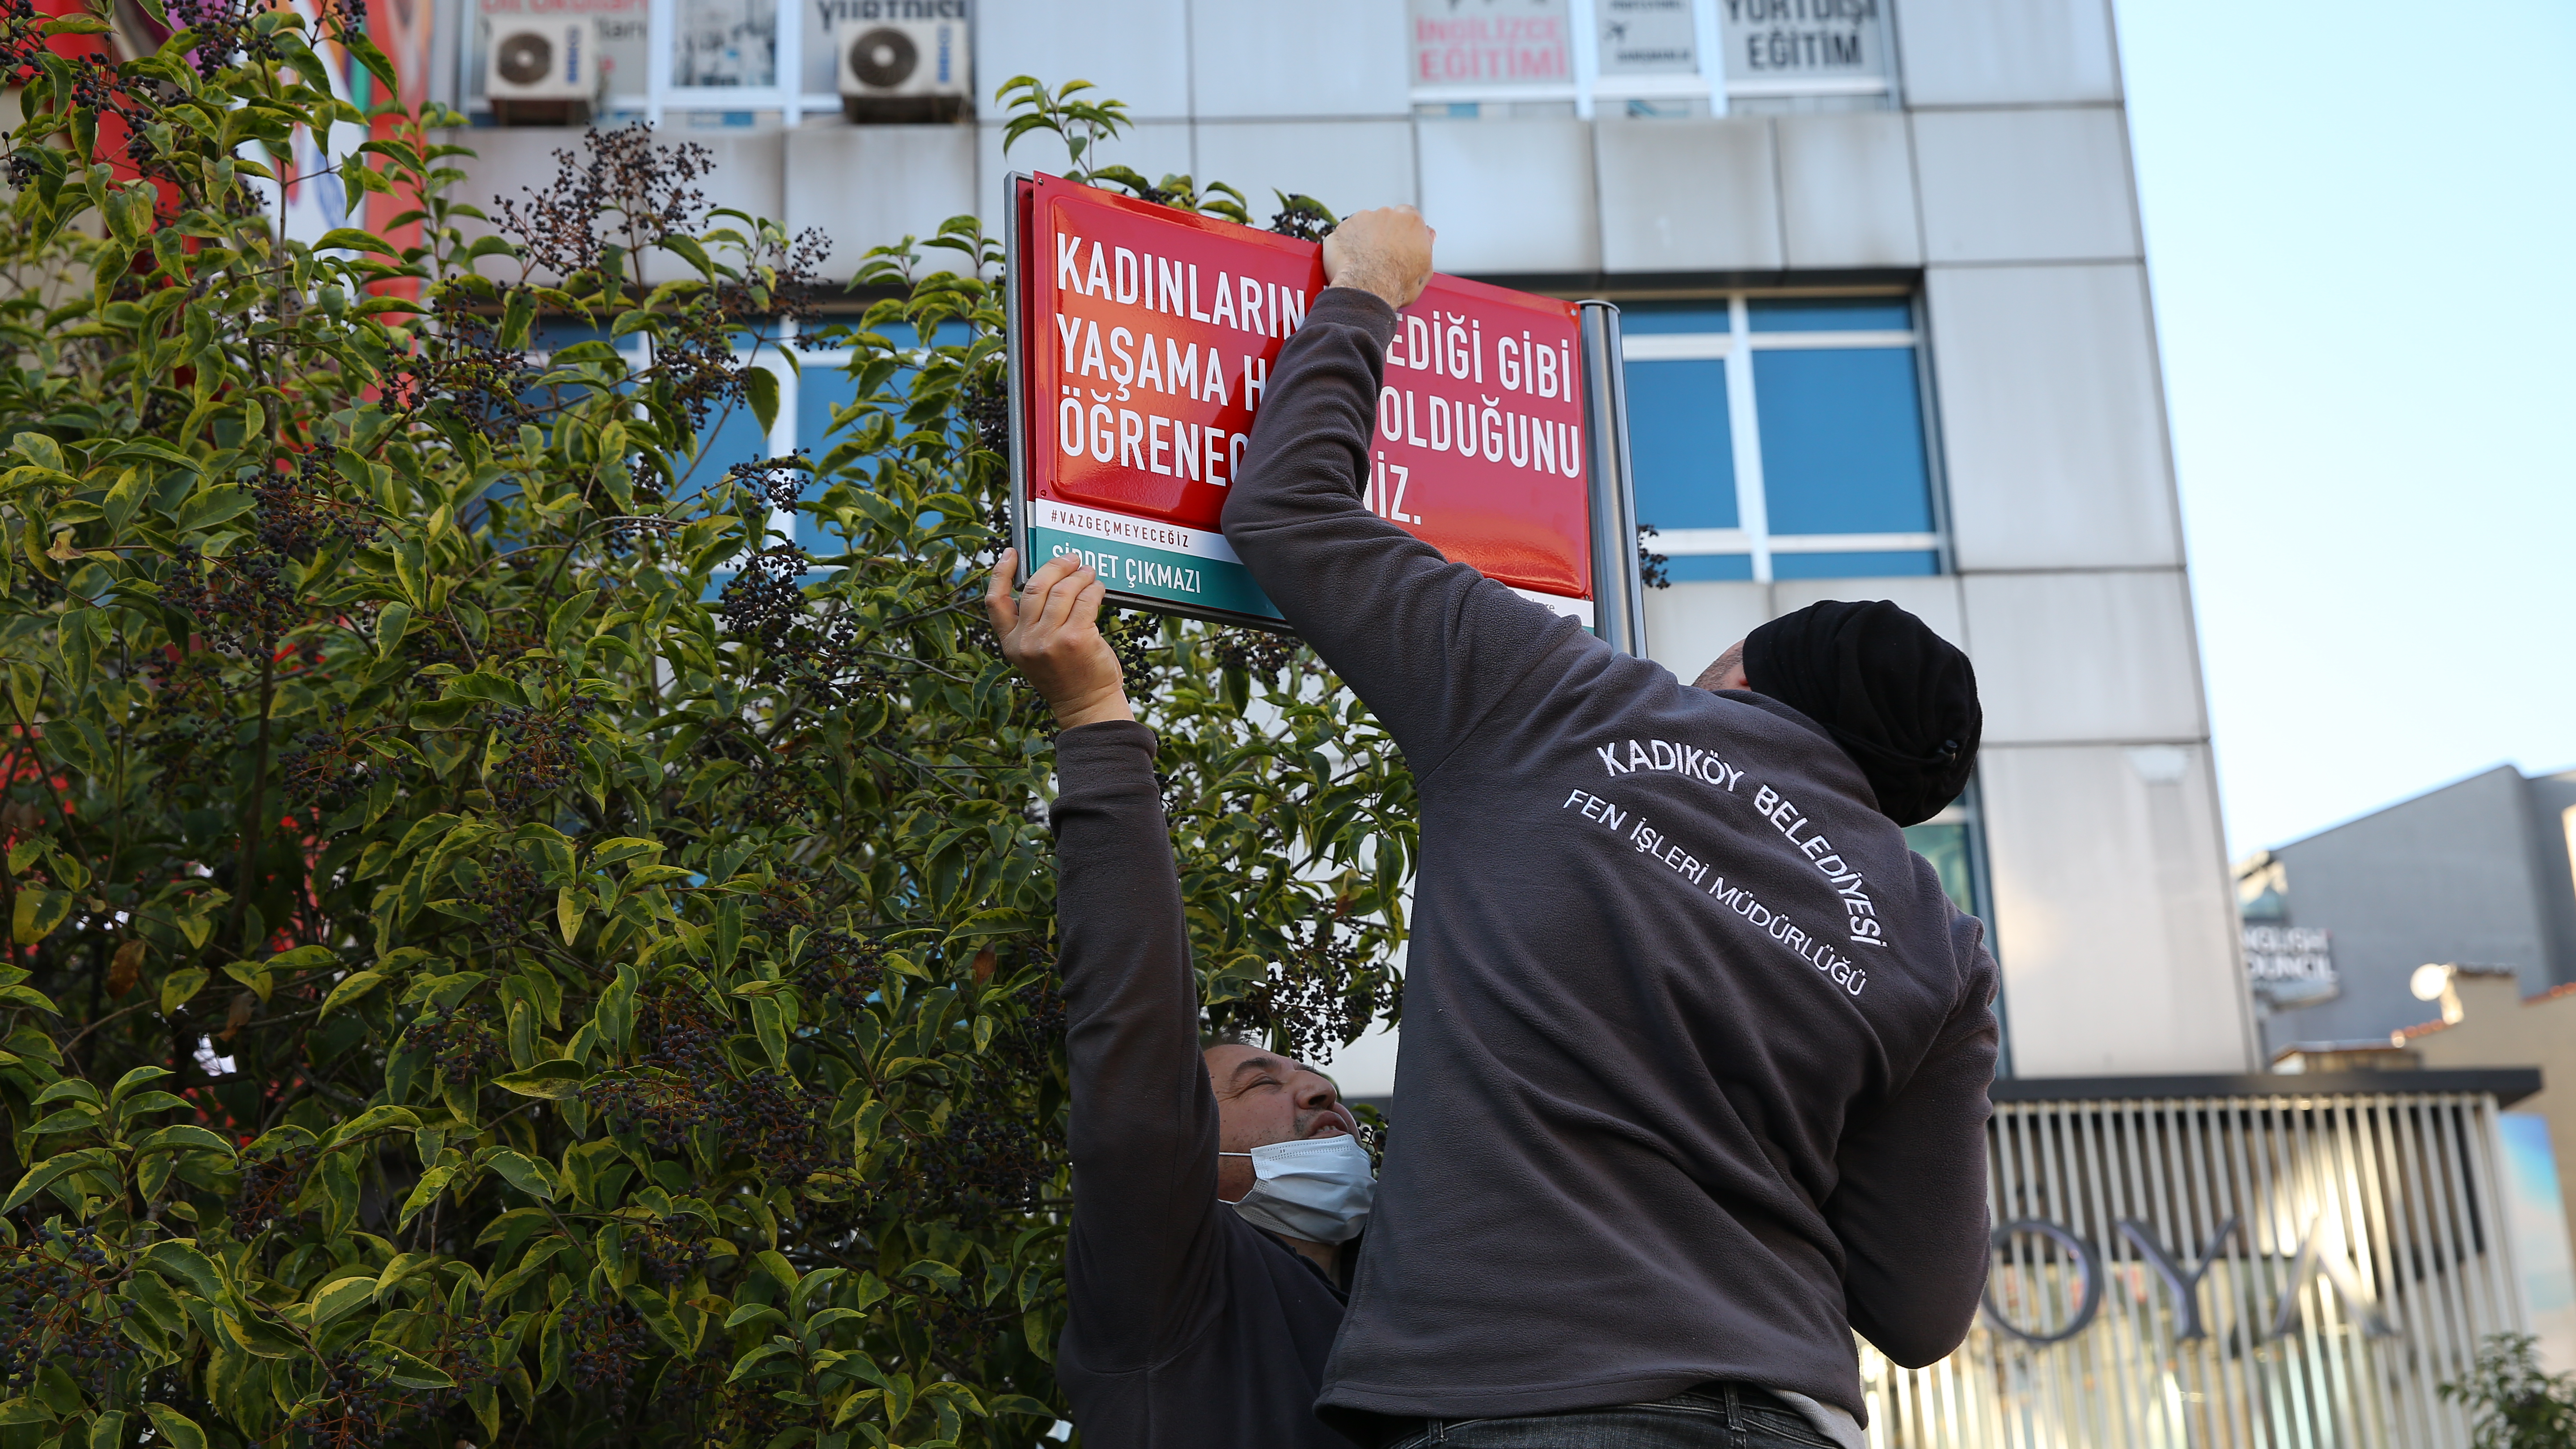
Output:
(2476, 872)
(1889, 336)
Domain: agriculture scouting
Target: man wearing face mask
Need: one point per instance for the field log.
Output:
(1216, 1189)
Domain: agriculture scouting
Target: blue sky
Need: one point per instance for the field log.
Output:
(2361, 231)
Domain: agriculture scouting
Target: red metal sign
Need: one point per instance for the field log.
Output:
(1142, 340)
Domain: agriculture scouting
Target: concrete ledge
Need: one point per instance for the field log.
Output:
(2507, 1085)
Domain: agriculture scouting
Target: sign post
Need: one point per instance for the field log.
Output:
(1141, 342)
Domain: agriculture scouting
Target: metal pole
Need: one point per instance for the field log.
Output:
(1617, 614)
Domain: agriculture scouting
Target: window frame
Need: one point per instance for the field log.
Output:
(1752, 537)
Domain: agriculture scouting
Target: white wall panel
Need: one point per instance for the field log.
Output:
(2026, 185)
(1510, 196)
(868, 186)
(2114, 919)
(2006, 52)
(2106, 656)
(1316, 58)
(1347, 165)
(1688, 196)
(1689, 625)
(1935, 601)
(2052, 417)
(1847, 190)
(1136, 51)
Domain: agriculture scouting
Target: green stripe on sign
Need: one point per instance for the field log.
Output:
(1157, 573)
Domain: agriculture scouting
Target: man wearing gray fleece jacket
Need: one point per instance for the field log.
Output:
(1695, 1049)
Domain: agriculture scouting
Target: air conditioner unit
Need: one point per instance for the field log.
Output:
(542, 72)
(904, 70)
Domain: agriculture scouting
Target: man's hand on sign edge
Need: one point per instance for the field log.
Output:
(1051, 634)
(1386, 251)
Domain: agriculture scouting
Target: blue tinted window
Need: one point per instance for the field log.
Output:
(732, 435)
(1831, 314)
(1693, 568)
(1667, 317)
(1842, 441)
(1910, 563)
(1679, 444)
(823, 388)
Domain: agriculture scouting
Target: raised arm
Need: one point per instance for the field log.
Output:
(1144, 1125)
(1911, 1205)
(1431, 645)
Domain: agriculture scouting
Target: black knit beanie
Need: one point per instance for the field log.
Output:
(1899, 699)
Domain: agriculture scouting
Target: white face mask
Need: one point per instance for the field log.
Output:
(1316, 1188)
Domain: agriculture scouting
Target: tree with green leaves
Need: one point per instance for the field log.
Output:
(2513, 1402)
(504, 946)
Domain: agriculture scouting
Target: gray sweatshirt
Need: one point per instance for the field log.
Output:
(1695, 1049)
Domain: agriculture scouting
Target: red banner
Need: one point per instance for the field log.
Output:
(1142, 342)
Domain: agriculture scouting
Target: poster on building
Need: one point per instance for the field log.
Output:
(1783, 46)
(1488, 43)
(1141, 342)
(1647, 37)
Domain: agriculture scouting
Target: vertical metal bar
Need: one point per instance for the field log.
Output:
(2446, 1309)
(1013, 223)
(2485, 1141)
(1617, 590)
(662, 31)
(1744, 429)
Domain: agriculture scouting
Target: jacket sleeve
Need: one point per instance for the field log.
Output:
(1144, 1245)
(1910, 1207)
(1431, 645)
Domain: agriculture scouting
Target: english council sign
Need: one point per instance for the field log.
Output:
(1141, 343)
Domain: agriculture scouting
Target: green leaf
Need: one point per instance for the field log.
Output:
(485, 686)
(350, 988)
(183, 1137)
(179, 986)
(52, 1170)
(760, 388)
(178, 1428)
(553, 1080)
(404, 1369)
(37, 914)
(303, 958)
(391, 622)
(350, 238)
(179, 1259)
(425, 1192)
(24, 1411)
(140, 1076)
(524, 1173)
(625, 847)
(215, 505)
(338, 1297)
(107, 1431)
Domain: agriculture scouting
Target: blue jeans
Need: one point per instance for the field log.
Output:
(1718, 1416)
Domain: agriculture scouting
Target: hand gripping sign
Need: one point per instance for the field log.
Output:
(1141, 342)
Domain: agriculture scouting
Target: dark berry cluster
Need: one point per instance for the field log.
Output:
(668, 1256)
(842, 965)
(1653, 569)
(242, 601)
(1312, 1001)
(778, 481)
(297, 515)
(1304, 218)
(328, 767)
(985, 404)
(461, 374)
(57, 1308)
(269, 1184)
(762, 601)
(460, 1042)
(1257, 652)
(544, 755)
(684, 1079)
(510, 894)
(603, 1343)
